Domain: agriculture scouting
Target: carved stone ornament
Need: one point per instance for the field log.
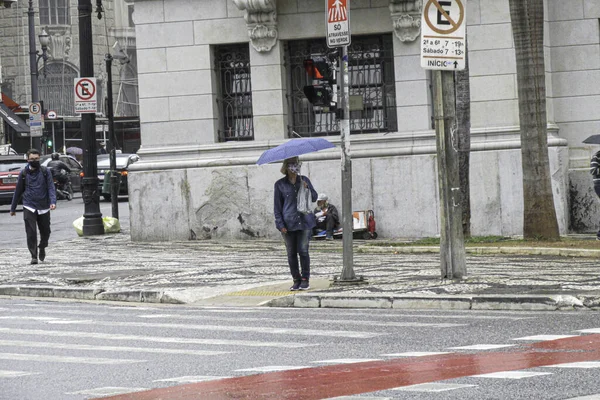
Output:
(406, 18)
(60, 42)
(261, 19)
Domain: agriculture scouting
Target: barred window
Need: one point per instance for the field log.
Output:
(54, 12)
(57, 88)
(371, 72)
(232, 65)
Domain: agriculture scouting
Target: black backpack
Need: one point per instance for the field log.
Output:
(25, 172)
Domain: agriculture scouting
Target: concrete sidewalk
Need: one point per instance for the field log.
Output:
(255, 272)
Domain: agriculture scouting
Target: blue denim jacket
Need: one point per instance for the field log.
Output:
(285, 206)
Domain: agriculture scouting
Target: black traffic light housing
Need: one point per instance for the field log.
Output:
(321, 70)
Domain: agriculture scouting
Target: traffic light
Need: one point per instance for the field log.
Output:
(320, 94)
(49, 143)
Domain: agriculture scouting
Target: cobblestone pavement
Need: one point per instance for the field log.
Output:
(203, 269)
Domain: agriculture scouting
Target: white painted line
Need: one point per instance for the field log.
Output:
(346, 361)
(593, 330)
(66, 359)
(192, 379)
(416, 354)
(545, 337)
(68, 321)
(68, 346)
(156, 339)
(590, 397)
(108, 391)
(482, 347)
(512, 374)
(227, 328)
(271, 368)
(13, 374)
(583, 364)
(432, 387)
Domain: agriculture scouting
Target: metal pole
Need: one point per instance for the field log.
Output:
(452, 245)
(92, 217)
(114, 178)
(35, 97)
(347, 276)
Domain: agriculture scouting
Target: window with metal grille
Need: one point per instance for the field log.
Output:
(371, 72)
(54, 12)
(232, 65)
(57, 88)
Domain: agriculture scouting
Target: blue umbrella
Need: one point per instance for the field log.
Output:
(294, 148)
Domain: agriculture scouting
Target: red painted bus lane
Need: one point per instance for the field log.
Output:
(351, 379)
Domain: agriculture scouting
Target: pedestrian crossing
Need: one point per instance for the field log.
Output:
(99, 350)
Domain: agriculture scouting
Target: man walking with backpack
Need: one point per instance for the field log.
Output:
(36, 187)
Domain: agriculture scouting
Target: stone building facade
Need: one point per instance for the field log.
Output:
(59, 19)
(221, 81)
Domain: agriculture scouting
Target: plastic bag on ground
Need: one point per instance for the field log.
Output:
(111, 225)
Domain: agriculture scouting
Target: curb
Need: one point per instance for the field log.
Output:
(139, 296)
(522, 251)
(457, 302)
(335, 300)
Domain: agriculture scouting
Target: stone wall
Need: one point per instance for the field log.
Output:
(212, 189)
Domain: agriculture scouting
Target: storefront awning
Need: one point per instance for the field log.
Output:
(13, 120)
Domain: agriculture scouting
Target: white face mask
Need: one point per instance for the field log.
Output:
(294, 168)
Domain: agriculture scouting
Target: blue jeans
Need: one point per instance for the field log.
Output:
(296, 244)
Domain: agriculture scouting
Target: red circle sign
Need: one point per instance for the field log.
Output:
(85, 89)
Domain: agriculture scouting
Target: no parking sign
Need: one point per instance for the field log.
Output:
(85, 96)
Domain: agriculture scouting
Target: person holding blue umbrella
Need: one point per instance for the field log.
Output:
(295, 223)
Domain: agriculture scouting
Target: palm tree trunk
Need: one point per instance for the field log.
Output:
(539, 215)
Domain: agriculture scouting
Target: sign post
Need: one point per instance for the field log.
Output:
(337, 17)
(443, 50)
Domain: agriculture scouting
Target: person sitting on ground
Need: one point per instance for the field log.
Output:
(57, 167)
(327, 216)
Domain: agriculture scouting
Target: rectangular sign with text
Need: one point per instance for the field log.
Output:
(337, 15)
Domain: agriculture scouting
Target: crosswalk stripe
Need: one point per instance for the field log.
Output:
(272, 368)
(346, 361)
(311, 320)
(192, 379)
(66, 359)
(108, 391)
(582, 364)
(14, 374)
(482, 347)
(70, 346)
(226, 328)
(512, 374)
(432, 387)
(545, 337)
(116, 336)
(416, 354)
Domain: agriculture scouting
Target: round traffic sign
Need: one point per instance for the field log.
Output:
(52, 114)
(85, 89)
(453, 22)
(34, 108)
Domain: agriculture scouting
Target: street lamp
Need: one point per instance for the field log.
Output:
(114, 176)
(34, 58)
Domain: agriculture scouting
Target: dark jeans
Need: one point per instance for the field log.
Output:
(327, 225)
(296, 244)
(33, 221)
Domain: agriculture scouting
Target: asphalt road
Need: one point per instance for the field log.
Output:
(68, 350)
(12, 233)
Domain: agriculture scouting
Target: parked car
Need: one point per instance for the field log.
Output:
(124, 160)
(73, 164)
(10, 166)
